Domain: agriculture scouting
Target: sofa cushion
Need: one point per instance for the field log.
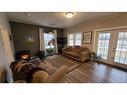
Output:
(77, 49)
(71, 53)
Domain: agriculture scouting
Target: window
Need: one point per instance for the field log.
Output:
(78, 39)
(48, 38)
(112, 46)
(121, 48)
(70, 39)
(74, 39)
(103, 44)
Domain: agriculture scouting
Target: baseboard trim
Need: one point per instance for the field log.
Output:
(120, 68)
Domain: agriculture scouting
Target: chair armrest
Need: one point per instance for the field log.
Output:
(55, 77)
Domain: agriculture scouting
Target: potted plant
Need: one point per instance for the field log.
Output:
(50, 51)
(95, 57)
(41, 54)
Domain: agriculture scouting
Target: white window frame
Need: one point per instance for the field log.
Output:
(74, 38)
(68, 39)
(113, 36)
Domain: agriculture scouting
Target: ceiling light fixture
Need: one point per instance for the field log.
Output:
(69, 14)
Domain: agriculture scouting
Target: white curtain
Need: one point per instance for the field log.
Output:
(41, 36)
(55, 35)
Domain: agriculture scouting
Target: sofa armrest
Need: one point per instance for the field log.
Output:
(63, 49)
(55, 77)
(66, 49)
(85, 55)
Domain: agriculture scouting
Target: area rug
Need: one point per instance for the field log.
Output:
(58, 61)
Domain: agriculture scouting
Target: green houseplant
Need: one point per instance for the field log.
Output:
(95, 57)
(50, 51)
(41, 54)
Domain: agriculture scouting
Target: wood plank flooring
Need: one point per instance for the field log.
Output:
(92, 72)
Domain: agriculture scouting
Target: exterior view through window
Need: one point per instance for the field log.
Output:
(103, 44)
(48, 40)
(121, 48)
(74, 39)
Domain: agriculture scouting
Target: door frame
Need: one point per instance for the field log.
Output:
(115, 43)
(112, 36)
(7, 44)
(108, 55)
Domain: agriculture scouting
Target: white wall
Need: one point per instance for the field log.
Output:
(6, 46)
(115, 20)
(6, 31)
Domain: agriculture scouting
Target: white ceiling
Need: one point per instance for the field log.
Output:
(54, 19)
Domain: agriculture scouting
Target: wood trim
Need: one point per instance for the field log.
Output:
(119, 67)
(112, 28)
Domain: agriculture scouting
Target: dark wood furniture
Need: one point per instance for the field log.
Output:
(61, 41)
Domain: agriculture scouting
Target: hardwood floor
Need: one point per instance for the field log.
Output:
(92, 72)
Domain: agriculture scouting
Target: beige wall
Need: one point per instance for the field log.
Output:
(114, 20)
(6, 46)
(6, 31)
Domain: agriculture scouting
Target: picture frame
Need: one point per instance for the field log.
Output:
(87, 37)
(29, 39)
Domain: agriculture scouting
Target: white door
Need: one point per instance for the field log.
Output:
(112, 46)
(120, 51)
(103, 45)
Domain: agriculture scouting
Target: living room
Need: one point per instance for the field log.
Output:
(86, 47)
(61, 47)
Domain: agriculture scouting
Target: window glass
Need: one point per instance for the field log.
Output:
(78, 39)
(103, 44)
(74, 39)
(70, 40)
(121, 50)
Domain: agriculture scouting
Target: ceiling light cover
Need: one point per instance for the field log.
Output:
(69, 14)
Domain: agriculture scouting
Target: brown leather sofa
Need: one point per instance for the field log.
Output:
(77, 52)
